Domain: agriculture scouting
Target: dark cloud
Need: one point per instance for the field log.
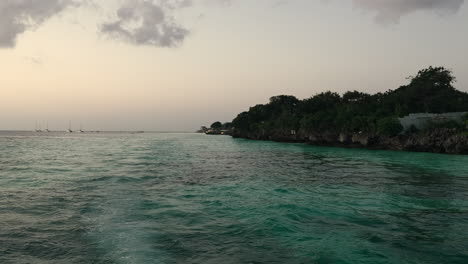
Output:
(141, 22)
(145, 22)
(389, 11)
(18, 16)
(152, 22)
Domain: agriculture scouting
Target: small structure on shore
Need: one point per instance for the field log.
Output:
(218, 132)
(422, 120)
(202, 129)
(217, 128)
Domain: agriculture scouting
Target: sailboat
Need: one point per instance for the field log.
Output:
(81, 129)
(47, 128)
(38, 128)
(69, 130)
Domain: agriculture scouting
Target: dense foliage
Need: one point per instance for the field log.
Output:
(430, 91)
(216, 125)
(389, 126)
(221, 126)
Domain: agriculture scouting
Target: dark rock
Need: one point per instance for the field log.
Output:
(440, 140)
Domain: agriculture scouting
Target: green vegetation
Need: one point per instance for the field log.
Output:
(430, 91)
(221, 126)
(216, 125)
(389, 126)
(465, 121)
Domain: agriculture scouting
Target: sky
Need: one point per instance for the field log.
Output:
(174, 65)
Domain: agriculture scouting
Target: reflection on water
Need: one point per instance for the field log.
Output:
(187, 198)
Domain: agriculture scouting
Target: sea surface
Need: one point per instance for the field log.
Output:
(192, 198)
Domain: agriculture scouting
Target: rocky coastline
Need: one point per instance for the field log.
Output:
(427, 115)
(442, 140)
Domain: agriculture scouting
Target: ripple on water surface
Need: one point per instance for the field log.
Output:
(189, 198)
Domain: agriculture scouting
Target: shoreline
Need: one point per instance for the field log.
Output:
(441, 141)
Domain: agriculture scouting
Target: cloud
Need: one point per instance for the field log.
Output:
(145, 22)
(390, 11)
(141, 22)
(19, 16)
(152, 22)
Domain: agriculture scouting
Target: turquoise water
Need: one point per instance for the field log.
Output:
(189, 198)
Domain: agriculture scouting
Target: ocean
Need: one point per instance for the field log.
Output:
(192, 198)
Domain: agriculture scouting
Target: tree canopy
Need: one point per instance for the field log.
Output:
(216, 125)
(430, 91)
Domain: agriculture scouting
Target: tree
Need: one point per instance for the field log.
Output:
(321, 102)
(355, 96)
(433, 77)
(465, 121)
(216, 125)
(430, 91)
(227, 126)
(241, 122)
(389, 126)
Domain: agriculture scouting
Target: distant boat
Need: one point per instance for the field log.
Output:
(38, 128)
(81, 129)
(47, 128)
(69, 130)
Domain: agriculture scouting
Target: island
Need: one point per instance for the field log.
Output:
(426, 115)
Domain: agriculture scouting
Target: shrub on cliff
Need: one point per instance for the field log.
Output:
(465, 121)
(389, 126)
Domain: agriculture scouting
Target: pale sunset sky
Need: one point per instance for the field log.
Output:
(174, 65)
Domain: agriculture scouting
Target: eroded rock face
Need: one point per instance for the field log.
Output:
(344, 138)
(363, 139)
(438, 141)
